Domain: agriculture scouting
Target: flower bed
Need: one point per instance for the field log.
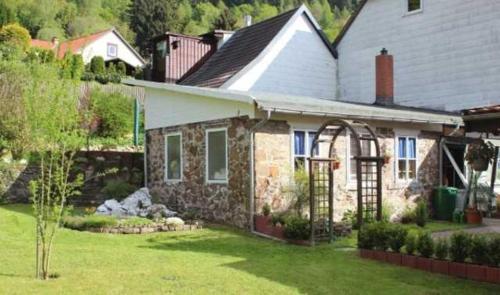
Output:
(470, 257)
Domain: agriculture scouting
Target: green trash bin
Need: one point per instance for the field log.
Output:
(443, 202)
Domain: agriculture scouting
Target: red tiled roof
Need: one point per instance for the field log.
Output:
(75, 45)
(42, 44)
(482, 110)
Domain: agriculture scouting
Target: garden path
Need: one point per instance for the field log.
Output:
(489, 226)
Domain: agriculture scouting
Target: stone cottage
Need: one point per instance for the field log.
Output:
(227, 138)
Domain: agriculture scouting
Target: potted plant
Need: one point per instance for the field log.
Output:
(479, 155)
(472, 213)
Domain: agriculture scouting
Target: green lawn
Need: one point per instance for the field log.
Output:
(212, 261)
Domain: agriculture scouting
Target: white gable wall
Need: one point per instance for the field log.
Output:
(446, 57)
(165, 108)
(297, 63)
(99, 48)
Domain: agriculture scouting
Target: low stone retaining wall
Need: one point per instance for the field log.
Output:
(457, 269)
(145, 229)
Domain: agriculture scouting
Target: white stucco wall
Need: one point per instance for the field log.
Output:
(445, 57)
(166, 108)
(297, 62)
(99, 48)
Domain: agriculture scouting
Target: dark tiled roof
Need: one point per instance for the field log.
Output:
(242, 48)
(482, 110)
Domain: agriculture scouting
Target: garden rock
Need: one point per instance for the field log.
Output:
(157, 211)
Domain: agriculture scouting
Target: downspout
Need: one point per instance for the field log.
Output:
(252, 166)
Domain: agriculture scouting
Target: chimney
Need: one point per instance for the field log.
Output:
(247, 20)
(55, 42)
(384, 67)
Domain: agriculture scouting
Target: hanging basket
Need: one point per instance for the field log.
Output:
(336, 165)
(480, 164)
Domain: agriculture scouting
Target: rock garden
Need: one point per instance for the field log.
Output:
(136, 214)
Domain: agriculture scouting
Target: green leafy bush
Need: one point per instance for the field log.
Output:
(397, 237)
(409, 216)
(411, 244)
(494, 250)
(374, 235)
(121, 68)
(365, 238)
(442, 249)
(116, 112)
(135, 221)
(117, 189)
(297, 228)
(16, 35)
(421, 214)
(266, 209)
(351, 216)
(280, 218)
(479, 249)
(88, 222)
(425, 244)
(460, 244)
(97, 65)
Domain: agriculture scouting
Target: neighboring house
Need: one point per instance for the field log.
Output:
(228, 138)
(108, 44)
(446, 53)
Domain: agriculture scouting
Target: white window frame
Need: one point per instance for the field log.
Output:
(219, 181)
(307, 148)
(181, 151)
(406, 8)
(396, 157)
(109, 45)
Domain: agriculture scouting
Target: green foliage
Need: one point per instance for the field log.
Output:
(409, 216)
(411, 244)
(441, 249)
(299, 190)
(351, 216)
(374, 235)
(297, 228)
(266, 209)
(121, 68)
(89, 222)
(425, 244)
(226, 21)
(40, 55)
(397, 237)
(135, 221)
(16, 35)
(421, 213)
(494, 250)
(280, 218)
(97, 65)
(116, 113)
(479, 249)
(117, 189)
(460, 245)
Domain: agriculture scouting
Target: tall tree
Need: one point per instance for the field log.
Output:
(150, 18)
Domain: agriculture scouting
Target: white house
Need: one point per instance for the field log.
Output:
(108, 44)
(446, 53)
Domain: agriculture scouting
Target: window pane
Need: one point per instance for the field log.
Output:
(174, 157)
(353, 169)
(412, 169)
(412, 148)
(365, 147)
(217, 155)
(414, 5)
(401, 147)
(311, 139)
(299, 141)
(353, 146)
(402, 169)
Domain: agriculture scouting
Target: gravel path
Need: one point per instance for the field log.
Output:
(489, 226)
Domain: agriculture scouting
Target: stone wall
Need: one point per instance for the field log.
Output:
(227, 203)
(15, 176)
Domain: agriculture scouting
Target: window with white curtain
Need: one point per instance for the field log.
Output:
(406, 157)
(173, 157)
(216, 155)
(302, 143)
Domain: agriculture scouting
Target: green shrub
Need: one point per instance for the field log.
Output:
(89, 221)
(425, 244)
(16, 35)
(397, 237)
(279, 217)
(77, 67)
(421, 214)
(116, 113)
(297, 228)
(87, 76)
(135, 221)
(494, 250)
(479, 249)
(441, 249)
(409, 216)
(266, 209)
(351, 216)
(411, 244)
(117, 189)
(365, 238)
(97, 65)
(121, 68)
(460, 244)
(374, 235)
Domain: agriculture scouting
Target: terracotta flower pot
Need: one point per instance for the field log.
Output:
(473, 216)
(409, 261)
(424, 264)
(493, 275)
(394, 258)
(440, 266)
(336, 165)
(458, 269)
(476, 272)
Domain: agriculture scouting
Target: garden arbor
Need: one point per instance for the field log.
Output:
(368, 163)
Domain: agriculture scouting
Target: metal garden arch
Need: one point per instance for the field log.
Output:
(322, 172)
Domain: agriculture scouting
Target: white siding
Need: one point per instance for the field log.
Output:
(446, 57)
(297, 63)
(165, 108)
(99, 48)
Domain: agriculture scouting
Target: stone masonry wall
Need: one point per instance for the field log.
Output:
(227, 203)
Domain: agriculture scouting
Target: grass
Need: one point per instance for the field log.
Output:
(216, 260)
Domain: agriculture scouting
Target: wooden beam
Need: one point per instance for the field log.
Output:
(455, 166)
